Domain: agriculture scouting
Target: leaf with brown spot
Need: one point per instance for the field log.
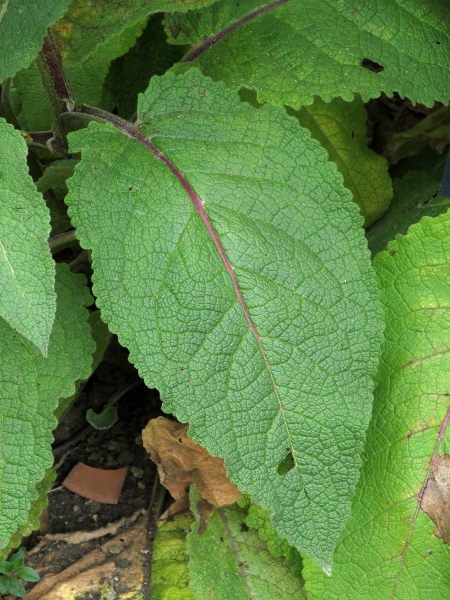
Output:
(181, 461)
(436, 498)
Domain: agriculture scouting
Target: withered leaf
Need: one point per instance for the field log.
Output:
(181, 461)
(436, 498)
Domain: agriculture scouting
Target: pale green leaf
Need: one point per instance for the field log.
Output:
(27, 270)
(341, 129)
(260, 327)
(169, 570)
(30, 388)
(23, 26)
(291, 51)
(415, 195)
(388, 549)
(231, 562)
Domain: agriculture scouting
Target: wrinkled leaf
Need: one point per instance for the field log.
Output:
(27, 270)
(290, 51)
(230, 561)
(259, 519)
(182, 462)
(341, 129)
(31, 386)
(388, 549)
(257, 320)
(23, 26)
(169, 571)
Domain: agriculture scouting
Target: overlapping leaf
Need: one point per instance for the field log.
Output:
(258, 320)
(290, 51)
(91, 35)
(388, 549)
(415, 195)
(229, 561)
(30, 388)
(341, 129)
(27, 270)
(23, 26)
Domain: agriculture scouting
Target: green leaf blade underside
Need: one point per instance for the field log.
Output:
(299, 49)
(289, 229)
(341, 129)
(415, 195)
(30, 389)
(229, 561)
(388, 549)
(27, 271)
(23, 26)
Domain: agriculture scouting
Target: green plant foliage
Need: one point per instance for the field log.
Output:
(259, 519)
(290, 51)
(251, 385)
(37, 507)
(341, 129)
(27, 271)
(31, 386)
(130, 74)
(415, 195)
(22, 30)
(433, 130)
(169, 571)
(388, 549)
(230, 561)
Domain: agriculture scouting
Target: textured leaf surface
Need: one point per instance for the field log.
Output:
(388, 549)
(257, 320)
(27, 270)
(229, 561)
(290, 51)
(341, 129)
(169, 571)
(23, 26)
(259, 519)
(30, 388)
(415, 195)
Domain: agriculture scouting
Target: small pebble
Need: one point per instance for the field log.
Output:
(139, 473)
(114, 549)
(141, 485)
(75, 508)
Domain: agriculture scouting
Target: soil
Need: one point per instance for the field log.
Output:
(121, 446)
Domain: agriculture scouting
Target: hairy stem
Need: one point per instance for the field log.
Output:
(6, 110)
(57, 86)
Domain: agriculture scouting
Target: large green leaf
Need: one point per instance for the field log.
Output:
(341, 129)
(23, 26)
(230, 561)
(388, 549)
(290, 51)
(27, 270)
(30, 388)
(258, 320)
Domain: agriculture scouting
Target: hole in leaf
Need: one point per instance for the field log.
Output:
(435, 194)
(244, 527)
(438, 43)
(286, 465)
(371, 65)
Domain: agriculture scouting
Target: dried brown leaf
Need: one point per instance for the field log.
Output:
(436, 498)
(181, 461)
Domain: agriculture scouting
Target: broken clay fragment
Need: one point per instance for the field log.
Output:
(100, 485)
